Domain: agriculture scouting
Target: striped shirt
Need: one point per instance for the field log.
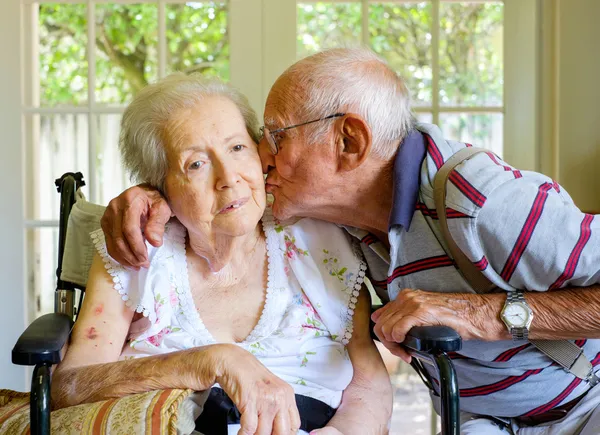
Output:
(521, 229)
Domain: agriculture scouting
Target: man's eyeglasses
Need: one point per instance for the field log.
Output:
(271, 135)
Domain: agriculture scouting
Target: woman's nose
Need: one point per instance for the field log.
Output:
(266, 156)
(227, 176)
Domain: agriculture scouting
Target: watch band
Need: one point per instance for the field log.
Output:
(518, 333)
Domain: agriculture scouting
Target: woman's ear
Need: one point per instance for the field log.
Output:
(353, 141)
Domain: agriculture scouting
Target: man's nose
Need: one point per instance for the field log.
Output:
(266, 157)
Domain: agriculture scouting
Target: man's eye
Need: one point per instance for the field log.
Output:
(196, 165)
(238, 148)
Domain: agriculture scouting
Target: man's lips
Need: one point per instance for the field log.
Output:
(234, 205)
(270, 187)
(270, 181)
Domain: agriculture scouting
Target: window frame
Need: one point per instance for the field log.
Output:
(520, 144)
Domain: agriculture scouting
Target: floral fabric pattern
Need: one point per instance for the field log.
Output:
(314, 275)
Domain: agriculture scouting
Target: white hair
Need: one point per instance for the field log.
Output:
(354, 80)
(141, 140)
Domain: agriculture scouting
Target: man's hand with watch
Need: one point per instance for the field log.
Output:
(517, 315)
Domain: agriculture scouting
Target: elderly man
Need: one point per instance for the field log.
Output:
(340, 144)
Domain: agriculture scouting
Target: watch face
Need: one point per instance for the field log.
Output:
(516, 314)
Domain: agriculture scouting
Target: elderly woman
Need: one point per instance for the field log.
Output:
(266, 314)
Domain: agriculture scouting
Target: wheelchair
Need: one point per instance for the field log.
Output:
(42, 343)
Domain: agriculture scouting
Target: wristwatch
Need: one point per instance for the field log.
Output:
(517, 315)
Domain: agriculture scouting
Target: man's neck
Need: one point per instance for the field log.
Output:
(362, 199)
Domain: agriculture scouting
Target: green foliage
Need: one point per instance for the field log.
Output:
(471, 70)
(470, 50)
(62, 48)
(323, 25)
(186, 51)
(126, 47)
(402, 34)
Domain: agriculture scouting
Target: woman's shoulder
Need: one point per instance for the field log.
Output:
(327, 264)
(131, 283)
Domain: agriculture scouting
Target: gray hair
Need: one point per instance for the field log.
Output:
(354, 80)
(141, 140)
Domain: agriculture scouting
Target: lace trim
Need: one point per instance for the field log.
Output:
(117, 271)
(182, 284)
(274, 308)
(354, 287)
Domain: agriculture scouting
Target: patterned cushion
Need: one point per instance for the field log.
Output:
(155, 412)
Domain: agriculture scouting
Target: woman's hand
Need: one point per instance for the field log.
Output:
(267, 404)
(137, 213)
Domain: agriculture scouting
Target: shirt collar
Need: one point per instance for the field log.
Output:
(407, 179)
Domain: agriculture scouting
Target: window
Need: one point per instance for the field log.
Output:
(450, 54)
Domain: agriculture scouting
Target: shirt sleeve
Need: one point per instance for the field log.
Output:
(136, 287)
(330, 270)
(529, 235)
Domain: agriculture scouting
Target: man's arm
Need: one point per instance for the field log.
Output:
(366, 406)
(534, 239)
(566, 314)
(138, 213)
(570, 313)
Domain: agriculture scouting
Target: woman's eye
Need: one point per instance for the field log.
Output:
(238, 147)
(196, 165)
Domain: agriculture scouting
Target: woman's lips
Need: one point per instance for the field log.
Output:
(234, 205)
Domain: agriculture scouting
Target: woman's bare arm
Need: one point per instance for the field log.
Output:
(90, 371)
(366, 406)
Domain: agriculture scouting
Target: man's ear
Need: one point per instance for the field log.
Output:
(353, 141)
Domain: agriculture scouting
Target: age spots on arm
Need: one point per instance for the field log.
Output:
(91, 333)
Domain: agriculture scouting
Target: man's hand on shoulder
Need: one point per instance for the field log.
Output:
(473, 316)
(138, 213)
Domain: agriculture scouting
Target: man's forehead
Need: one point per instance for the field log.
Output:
(281, 107)
(277, 117)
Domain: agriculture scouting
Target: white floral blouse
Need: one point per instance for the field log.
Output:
(314, 276)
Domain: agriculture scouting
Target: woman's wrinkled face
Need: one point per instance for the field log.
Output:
(214, 181)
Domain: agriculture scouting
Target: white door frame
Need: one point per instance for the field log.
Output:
(13, 317)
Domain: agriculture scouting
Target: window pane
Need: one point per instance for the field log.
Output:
(327, 25)
(42, 251)
(197, 38)
(126, 50)
(426, 117)
(480, 129)
(58, 144)
(471, 71)
(62, 54)
(111, 178)
(401, 33)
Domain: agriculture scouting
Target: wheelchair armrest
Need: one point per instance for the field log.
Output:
(43, 340)
(433, 339)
